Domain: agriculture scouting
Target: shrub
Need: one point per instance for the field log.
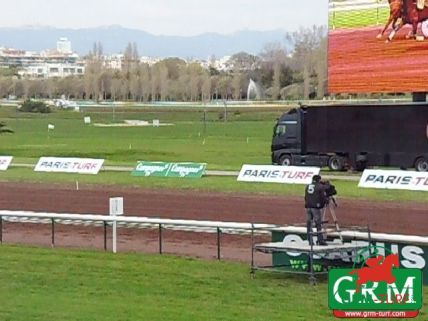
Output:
(4, 129)
(31, 106)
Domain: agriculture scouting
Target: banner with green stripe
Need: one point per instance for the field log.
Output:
(163, 169)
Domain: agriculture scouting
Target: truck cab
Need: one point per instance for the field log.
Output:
(288, 142)
(286, 139)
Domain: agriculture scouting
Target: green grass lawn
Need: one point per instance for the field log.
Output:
(358, 18)
(44, 284)
(244, 138)
(346, 189)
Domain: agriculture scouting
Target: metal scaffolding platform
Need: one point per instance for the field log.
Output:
(345, 251)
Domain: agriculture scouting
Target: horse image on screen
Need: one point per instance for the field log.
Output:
(378, 46)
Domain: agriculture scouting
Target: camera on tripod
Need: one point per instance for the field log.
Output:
(330, 189)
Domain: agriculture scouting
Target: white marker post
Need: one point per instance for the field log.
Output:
(116, 208)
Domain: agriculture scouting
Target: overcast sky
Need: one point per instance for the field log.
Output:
(167, 17)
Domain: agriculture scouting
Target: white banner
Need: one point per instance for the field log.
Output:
(69, 165)
(407, 180)
(5, 162)
(277, 174)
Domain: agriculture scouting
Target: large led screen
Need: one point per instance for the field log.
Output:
(378, 46)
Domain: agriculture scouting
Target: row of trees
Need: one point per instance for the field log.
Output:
(283, 73)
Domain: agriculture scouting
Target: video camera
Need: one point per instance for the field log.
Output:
(330, 189)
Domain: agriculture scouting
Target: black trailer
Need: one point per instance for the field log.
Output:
(343, 136)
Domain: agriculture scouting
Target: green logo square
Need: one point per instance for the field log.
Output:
(403, 294)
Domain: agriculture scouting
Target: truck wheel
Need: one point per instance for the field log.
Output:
(421, 164)
(336, 163)
(360, 166)
(285, 160)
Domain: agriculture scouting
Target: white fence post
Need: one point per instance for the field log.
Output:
(116, 208)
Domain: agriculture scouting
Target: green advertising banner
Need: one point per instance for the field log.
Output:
(412, 256)
(194, 170)
(162, 169)
(158, 169)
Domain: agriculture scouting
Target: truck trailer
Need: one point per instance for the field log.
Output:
(353, 136)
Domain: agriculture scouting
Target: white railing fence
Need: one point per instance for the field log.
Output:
(217, 227)
(105, 221)
(348, 5)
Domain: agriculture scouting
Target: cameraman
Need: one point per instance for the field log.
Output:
(315, 200)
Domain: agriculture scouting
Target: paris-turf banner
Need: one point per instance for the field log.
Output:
(5, 162)
(394, 179)
(69, 165)
(277, 174)
(162, 169)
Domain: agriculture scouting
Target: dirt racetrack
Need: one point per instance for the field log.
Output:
(390, 217)
(359, 62)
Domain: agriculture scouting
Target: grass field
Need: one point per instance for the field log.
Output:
(346, 189)
(53, 284)
(44, 284)
(358, 18)
(244, 138)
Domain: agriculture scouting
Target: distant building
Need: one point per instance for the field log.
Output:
(205, 64)
(117, 61)
(223, 64)
(113, 61)
(50, 70)
(149, 60)
(60, 62)
(63, 45)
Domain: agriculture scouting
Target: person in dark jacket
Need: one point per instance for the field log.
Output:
(315, 200)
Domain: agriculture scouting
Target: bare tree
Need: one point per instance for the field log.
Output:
(145, 82)
(195, 71)
(181, 86)
(5, 84)
(321, 68)
(307, 42)
(273, 68)
(237, 84)
(215, 89)
(79, 88)
(106, 83)
(51, 88)
(93, 71)
(206, 87)
(115, 87)
(224, 85)
(163, 82)
(244, 62)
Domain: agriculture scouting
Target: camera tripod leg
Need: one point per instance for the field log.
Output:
(336, 223)
(324, 220)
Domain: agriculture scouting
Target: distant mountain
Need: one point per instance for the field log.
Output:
(115, 39)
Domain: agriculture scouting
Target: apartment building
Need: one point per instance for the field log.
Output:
(59, 62)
